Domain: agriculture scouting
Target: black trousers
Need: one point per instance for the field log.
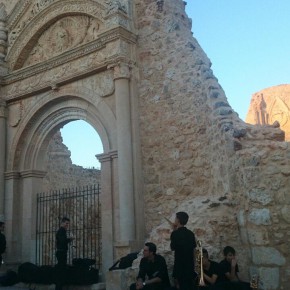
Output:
(239, 285)
(61, 256)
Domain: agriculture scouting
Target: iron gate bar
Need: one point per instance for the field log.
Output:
(82, 206)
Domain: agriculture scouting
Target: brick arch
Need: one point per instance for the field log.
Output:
(51, 114)
(56, 11)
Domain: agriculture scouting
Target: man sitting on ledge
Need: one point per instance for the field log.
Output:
(153, 273)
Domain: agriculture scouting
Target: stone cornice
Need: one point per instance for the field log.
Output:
(98, 44)
(106, 157)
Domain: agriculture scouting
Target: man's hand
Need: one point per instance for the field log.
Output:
(234, 263)
(139, 285)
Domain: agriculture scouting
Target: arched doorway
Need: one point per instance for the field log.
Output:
(27, 160)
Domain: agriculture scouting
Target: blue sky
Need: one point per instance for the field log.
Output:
(248, 43)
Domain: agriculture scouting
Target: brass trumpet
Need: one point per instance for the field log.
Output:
(199, 268)
(254, 284)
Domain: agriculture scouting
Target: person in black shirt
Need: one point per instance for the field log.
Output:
(152, 266)
(229, 269)
(62, 242)
(210, 270)
(183, 244)
(2, 241)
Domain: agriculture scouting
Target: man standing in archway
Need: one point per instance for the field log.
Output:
(62, 242)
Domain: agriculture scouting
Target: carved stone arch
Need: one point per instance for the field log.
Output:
(49, 115)
(29, 36)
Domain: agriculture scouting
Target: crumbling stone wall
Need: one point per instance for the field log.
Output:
(199, 156)
(61, 173)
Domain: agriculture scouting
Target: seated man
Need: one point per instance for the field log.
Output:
(153, 273)
(229, 279)
(210, 270)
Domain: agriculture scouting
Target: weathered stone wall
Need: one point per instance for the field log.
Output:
(198, 156)
(270, 105)
(61, 173)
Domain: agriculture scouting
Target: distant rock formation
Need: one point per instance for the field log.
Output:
(61, 173)
(271, 105)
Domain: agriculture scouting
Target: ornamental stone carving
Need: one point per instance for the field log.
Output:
(2, 109)
(65, 34)
(121, 71)
(15, 114)
(3, 39)
(27, 33)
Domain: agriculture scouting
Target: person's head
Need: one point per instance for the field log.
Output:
(2, 226)
(65, 222)
(149, 250)
(229, 253)
(181, 218)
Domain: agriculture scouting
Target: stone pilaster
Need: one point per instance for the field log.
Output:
(107, 204)
(2, 155)
(12, 217)
(125, 157)
(31, 185)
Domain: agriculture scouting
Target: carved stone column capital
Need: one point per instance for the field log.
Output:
(122, 70)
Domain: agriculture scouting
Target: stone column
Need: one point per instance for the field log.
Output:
(125, 162)
(31, 185)
(107, 212)
(2, 156)
(12, 217)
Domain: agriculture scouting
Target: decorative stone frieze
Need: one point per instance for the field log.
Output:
(3, 40)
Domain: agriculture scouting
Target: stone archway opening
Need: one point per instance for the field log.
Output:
(71, 157)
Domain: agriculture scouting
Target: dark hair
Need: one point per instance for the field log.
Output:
(152, 247)
(205, 253)
(182, 217)
(1, 224)
(65, 219)
(229, 250)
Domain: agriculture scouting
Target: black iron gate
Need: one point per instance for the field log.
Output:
(82, 207)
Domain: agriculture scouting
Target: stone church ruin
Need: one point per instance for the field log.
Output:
(132, 70)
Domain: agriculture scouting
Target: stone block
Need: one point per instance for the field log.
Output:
(258, 237)
(267, 256)
(120, 279)
(269, 278)
(260, 195)
(260, 217)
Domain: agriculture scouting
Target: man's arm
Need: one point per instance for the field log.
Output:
(211, 280)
